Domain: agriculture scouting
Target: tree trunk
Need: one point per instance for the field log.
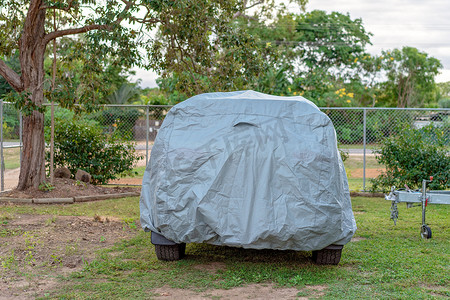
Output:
(32, 50)
(32, 172)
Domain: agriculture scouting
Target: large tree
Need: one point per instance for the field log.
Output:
(227, 55)
(28, 27)
(312, 53)
(410, 74)
(196, 41)
(111, 30)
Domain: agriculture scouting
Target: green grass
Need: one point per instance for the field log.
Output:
(357, 184)
(140, 171)
(354, 165)
(358, 146)
(126, 209)
(386, 261)
(11, 158)
(357, 162)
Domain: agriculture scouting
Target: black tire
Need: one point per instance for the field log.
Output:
(170, 252)
(425, 232)
(327, 256)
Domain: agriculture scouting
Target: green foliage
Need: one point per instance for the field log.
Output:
(349, 126)
(410, 75)
(10, 123)
(330, 49)
(82, 145)
(23, 103)
(13, 63)
(59, 113)
(46, 187)
(204, 50)
(275, 81)
(79, 80)
(118, 120)
(444, 103)
(344, 154)
(314, 54)
(168, 93)
(125, 94)
(443, 92)
(7, 131)
(414, 155)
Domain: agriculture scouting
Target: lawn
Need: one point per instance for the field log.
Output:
(11, 158)
(354, 168)
(383, 261)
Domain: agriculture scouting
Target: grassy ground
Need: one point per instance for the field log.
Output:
(358, 146)
(11, 158)
(384, 261)
(354, 165)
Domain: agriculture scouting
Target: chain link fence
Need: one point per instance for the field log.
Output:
(359, 132)
(372, 125)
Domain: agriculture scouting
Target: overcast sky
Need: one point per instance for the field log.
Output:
(424, 24)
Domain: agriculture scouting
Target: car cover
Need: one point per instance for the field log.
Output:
(250, 170)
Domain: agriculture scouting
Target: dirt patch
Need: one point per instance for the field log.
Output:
(252, 291)
(211, 268)
(370, 173)
(315, 291)
(36, 249)
(127, 181)
(66, 188)
(11, 178)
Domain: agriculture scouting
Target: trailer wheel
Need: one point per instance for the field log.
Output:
(425, 232)
(327, 256)
(170, 252)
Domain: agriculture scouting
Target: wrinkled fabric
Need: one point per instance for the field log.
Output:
(250, 170)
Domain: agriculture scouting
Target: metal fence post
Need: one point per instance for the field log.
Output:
(364, 147)
(2, 163)
(146, 133)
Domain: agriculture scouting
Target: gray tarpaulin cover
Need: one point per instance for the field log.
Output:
(250, 170)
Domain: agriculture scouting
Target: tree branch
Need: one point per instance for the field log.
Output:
(11, 77)
(245, 7)
(253, 5)
(146, 20)
(56, 34)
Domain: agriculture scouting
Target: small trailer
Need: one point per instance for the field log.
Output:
(417, 198)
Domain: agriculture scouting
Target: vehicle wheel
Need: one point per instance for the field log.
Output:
(327, 256)
(170, 252)
(425, 232)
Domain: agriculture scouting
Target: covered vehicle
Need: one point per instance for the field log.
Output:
(246, 169)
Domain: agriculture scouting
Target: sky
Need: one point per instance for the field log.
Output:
(424, 25)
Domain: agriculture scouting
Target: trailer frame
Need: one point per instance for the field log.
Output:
(417, 198)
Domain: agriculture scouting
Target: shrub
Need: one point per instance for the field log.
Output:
(412, 156)
(119, 120)
(8, 132)
(349, 125)
(444, 103)
(83, 145)
(10, 124)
